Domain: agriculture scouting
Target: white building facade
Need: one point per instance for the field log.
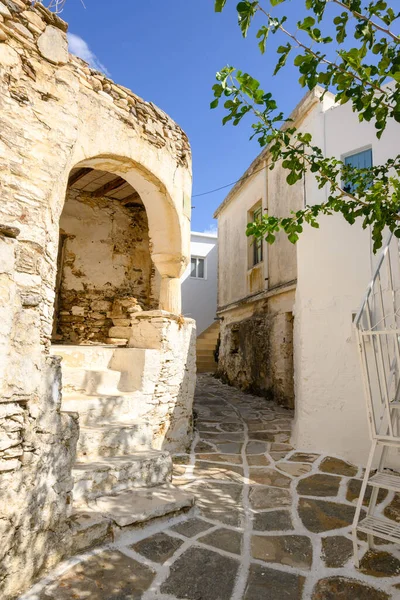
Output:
(320, 282)
(199, 281)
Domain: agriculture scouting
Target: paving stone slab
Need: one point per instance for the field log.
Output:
(109, 575)
(263, 498)
(353, 492)
(224, 539)
(258, 460)
(319, 485)
(292, 550)
(218, 471)
(269, 436)
(158, 548)
(256, 448)
(232, 427)
(204, 447)
(338, 467)
(191, 527)
(303, 457)
(181, 459)
(278, 455)
(217, 438)
(295, 469)
(380, 564)
(274, 520)
(321, 515)
(201, 574)
(342, 588)
(281, 447)
(220, 502)
(268, 584)
(223, 458)
(392, 510)
(336, 551)
(229, 447)
(265, 476)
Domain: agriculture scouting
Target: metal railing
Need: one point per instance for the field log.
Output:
(377, 327)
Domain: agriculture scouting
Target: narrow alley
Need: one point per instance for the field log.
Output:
(269, 522)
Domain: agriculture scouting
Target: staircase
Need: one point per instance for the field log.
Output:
(377, 327)
(119, 478)
(205, 345)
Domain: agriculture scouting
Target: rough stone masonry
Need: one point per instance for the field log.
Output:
(57, 114)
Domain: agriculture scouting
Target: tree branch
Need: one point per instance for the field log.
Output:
(358, 15)
(325, 60)
(333, 182)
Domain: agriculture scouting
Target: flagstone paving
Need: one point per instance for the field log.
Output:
(270, 523)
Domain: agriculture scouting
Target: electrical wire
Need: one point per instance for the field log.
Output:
(229, 184)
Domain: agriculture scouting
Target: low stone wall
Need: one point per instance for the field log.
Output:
(175, 338)
(37, 444)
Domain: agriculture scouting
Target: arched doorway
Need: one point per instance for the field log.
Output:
(104, 266)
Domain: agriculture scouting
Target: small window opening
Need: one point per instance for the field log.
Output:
(197, 269)
(257, 242)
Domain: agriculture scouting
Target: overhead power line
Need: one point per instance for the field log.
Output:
(229, 184)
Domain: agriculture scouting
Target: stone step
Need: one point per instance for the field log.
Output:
(147, 468)
(93, 381)
(117, 439)
(84, 356)
(105, 518)
(204, 353)
(207, 368)
(206, 345)
(107, 369)
(102, 409)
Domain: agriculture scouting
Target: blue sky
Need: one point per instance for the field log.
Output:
(168, 52)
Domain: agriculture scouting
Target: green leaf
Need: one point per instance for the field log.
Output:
(219, 5)
(246, 11)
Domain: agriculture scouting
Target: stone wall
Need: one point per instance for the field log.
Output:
(256, 349)
(57, 113)
(172, 398)
(105, 255)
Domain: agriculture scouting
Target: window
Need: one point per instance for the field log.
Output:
(360, 160)
(257, 243)
(197, 268)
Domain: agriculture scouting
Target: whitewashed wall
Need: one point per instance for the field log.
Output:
(199, 296)
(334, 268)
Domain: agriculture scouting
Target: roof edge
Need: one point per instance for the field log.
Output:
(297, 115)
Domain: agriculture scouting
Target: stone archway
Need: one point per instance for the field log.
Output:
(104, 266)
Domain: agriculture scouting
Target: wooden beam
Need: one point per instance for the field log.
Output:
(109, 187)
(78, 175)
(132, 198)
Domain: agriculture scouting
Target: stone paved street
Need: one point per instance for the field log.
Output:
(270, 523)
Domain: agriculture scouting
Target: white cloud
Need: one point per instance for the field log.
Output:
(80, 48)
(211, 229)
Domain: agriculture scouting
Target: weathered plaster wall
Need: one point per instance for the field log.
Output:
(106, 256)
(256, 302)
(335, 267)
(234, 269)
(256, 351)
(57, 113)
